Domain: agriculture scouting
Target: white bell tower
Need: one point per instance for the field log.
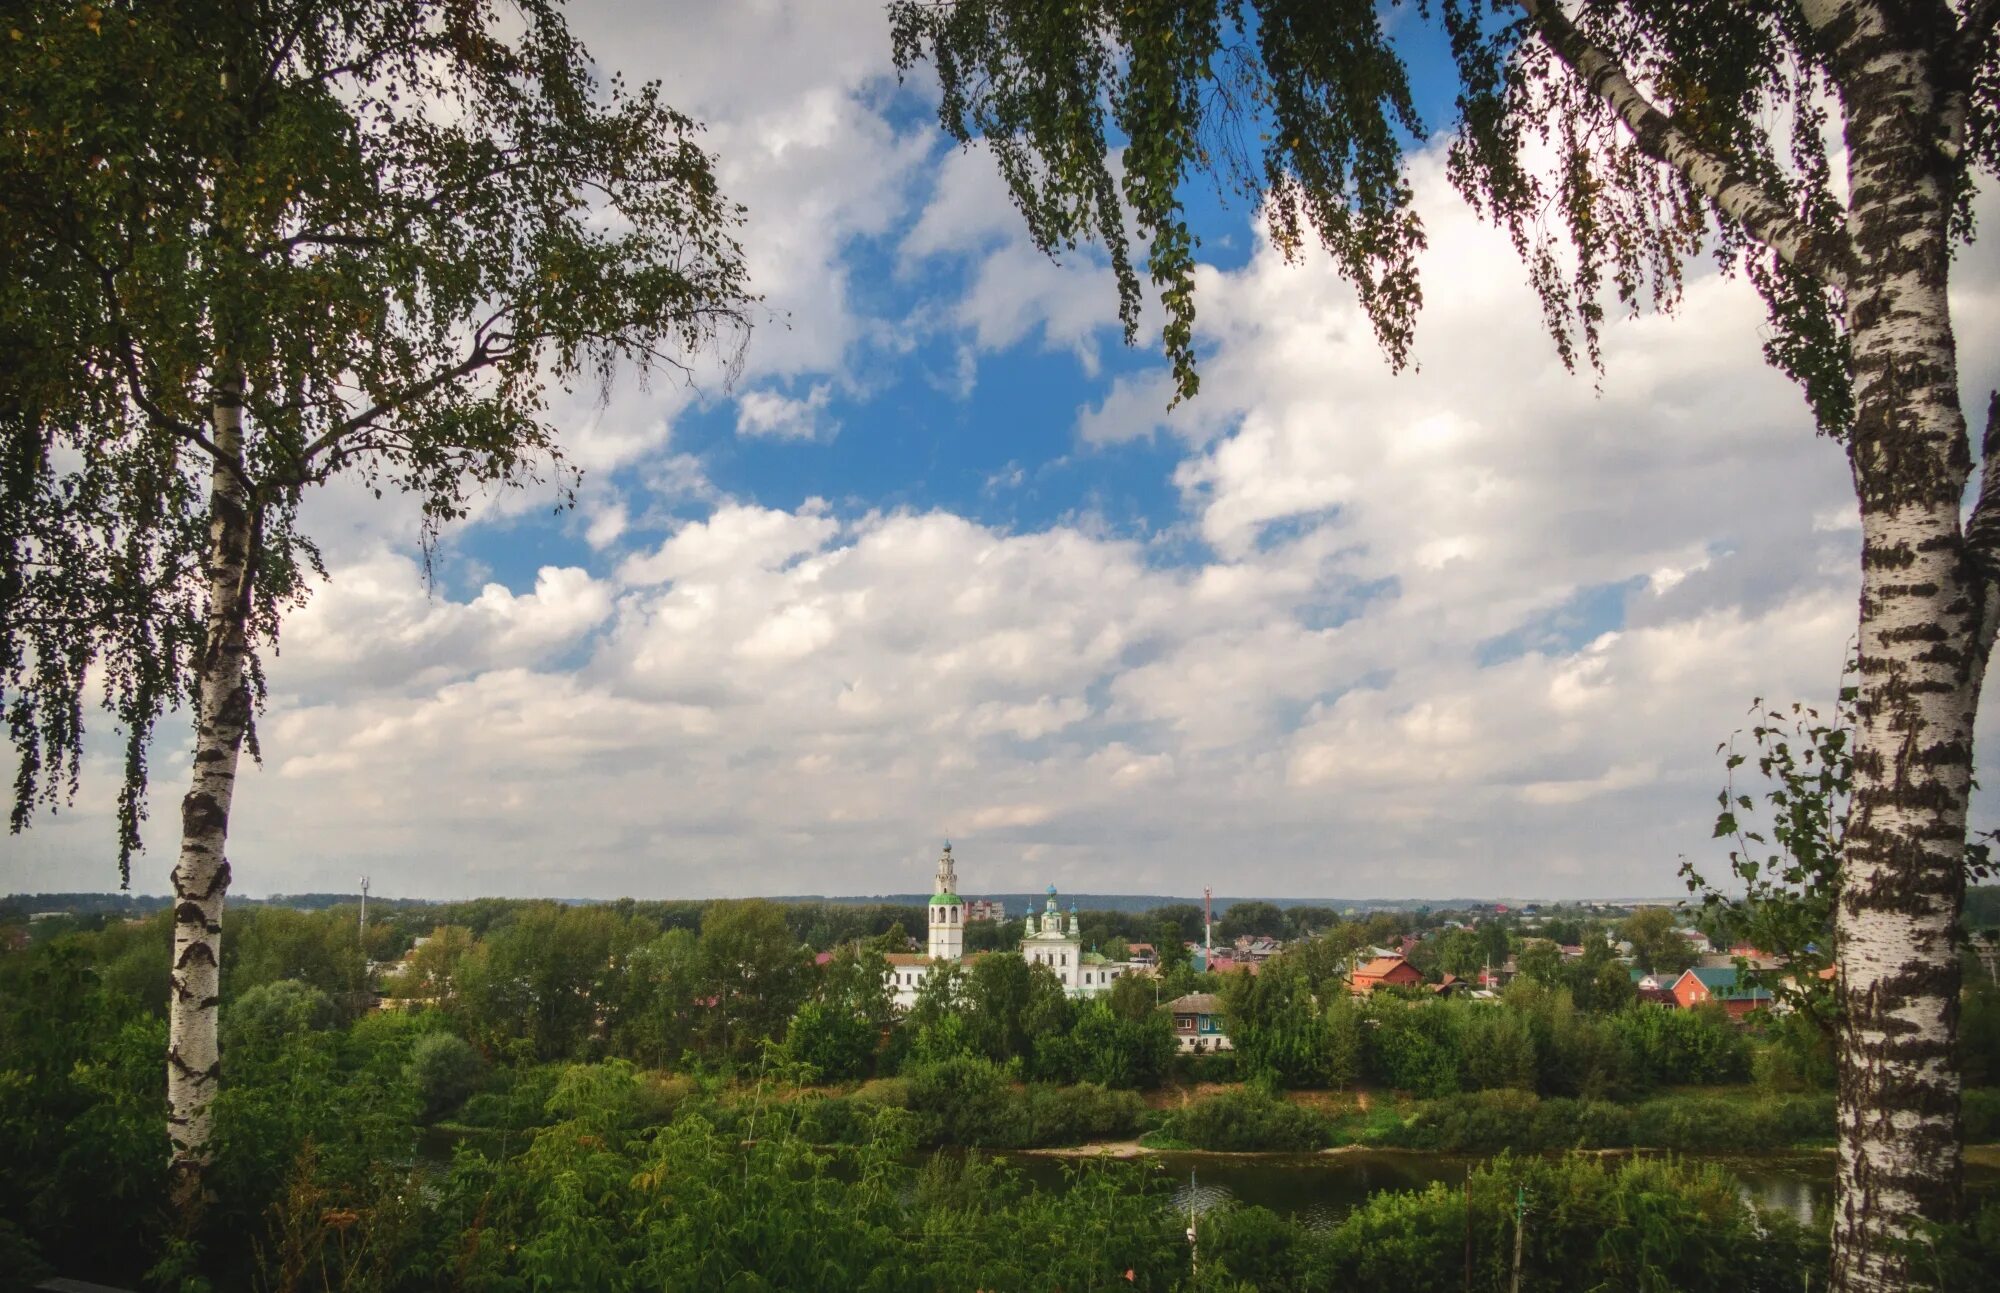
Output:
(947, 940)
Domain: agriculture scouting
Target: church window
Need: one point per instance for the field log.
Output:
(1065, 960)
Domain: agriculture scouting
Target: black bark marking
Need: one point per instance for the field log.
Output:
(200, 814)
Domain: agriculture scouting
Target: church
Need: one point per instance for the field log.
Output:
(1053, 940)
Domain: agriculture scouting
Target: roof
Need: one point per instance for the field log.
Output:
(1721, 982)
(908, 958)
(1658, 996)
(1196, 1003)
(939, 900)
(1382, 967)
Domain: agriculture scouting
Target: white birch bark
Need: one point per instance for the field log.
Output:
(201, 876)
(1923, 644)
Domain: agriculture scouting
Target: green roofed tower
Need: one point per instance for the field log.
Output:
(947, 914)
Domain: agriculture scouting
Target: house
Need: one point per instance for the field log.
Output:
(907, 972)
(1696, 940)
(1451, 986)
(1198, 1023)
(1143, 954)
(1258, 948)
(985, 909)
(1385, 971)
(1222, 963)
(1713, 983)
(1655, 988)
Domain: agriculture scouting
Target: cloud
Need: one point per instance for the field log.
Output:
(768, 413)
(1473, 629)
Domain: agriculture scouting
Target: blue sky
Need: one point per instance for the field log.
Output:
(938, 561)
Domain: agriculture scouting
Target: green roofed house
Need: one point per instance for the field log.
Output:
(1720, 983)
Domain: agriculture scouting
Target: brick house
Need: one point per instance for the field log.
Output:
(1715, 983)
(1385, 971)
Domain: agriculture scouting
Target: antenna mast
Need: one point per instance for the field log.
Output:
(361, 930)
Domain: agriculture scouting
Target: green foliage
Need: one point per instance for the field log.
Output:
(270, 1012)
(832, 1044)
(1487, 1122)
(1245, 1119)
(443, 1070)
(1673, 1047)
(1979, 1035)
(1982, 1115)
(1275, 1023)
(1414, 1048)
(1119, 1051)
(1253, 918)
(755, 973)
(318, 949)
(1656, 948)
(386, 225)
(969, 1101)
(1787, 867)
(1307, 111)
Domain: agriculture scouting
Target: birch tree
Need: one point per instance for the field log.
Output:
(1826, 149)
(254, 245)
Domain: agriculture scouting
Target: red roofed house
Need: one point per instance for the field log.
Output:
(1385, 971)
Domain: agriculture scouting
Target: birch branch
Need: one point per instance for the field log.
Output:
(1770, 220)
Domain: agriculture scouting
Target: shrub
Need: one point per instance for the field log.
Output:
(1682, 1047)
(966, 1101)
(1245, 1119)
(1414, 1046)
(1497, 1049)
(1408, 1240)
(258, 1021)
(1216, 1066)
(1075, 1115)
(1482, 1122)
(1251, 1244)
(443, 1070)
(1982, 1115)
(831, 1043)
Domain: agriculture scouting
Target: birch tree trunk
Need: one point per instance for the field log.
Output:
(201, 876)
(1923, 647)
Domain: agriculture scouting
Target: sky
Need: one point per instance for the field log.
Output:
(939, 563)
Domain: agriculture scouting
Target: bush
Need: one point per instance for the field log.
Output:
(1696, 1124)
(1673, 1047)
(1979, 1035)
(443, 1069)
(1414, 1046)
(1490, 1122)
(1641, 1224)
(1076, 1115)
(259, 1021)
(1218, 1067)
(1253, 1245)
(966, 1101)
(1982, 1115)
(831, 1043)
(1245, 1119)
(970, 1102)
